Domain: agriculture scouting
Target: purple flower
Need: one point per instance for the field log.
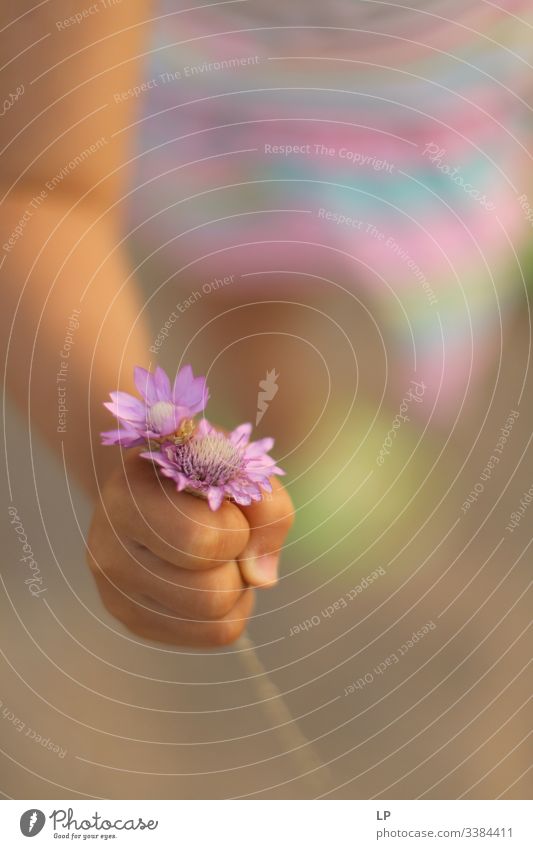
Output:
(218, 466)
(165, 411)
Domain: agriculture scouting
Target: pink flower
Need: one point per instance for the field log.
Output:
(218, 466)
(163, 410)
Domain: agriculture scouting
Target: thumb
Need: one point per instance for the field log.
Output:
(270, 521)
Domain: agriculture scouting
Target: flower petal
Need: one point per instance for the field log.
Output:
(241, 434)
(198, 395)
(182, 382)
(145, 383)
(204, 428)
(240, 497)
(166, 467)
(126, 438)
(126, 407)
(162, 385)
(190, 391)
(215, 497)
(156, 457)
(261, 446)
(181, 482)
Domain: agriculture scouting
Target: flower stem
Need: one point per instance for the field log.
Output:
(314, 773)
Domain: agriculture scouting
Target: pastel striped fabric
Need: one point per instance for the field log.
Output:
(381, 145)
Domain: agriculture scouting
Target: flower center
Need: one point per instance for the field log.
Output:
(159, 414)
(212, 460)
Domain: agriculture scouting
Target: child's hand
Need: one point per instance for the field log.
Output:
(172, 570)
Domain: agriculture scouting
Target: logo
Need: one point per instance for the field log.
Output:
(269, 388)
(32, 822)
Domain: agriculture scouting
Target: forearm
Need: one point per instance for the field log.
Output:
(67, 268)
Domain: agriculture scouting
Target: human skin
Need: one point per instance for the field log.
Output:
(188, 581)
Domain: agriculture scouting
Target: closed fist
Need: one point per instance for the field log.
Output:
(170, 569)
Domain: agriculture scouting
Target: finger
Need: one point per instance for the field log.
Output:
(202, 594)
(270, 521)
(199, 595)
(141, 617)
(176, 526)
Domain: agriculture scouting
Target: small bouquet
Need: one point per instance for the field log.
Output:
(199, 458)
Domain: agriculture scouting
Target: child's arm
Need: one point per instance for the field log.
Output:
(165, 566)
(59, 220)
